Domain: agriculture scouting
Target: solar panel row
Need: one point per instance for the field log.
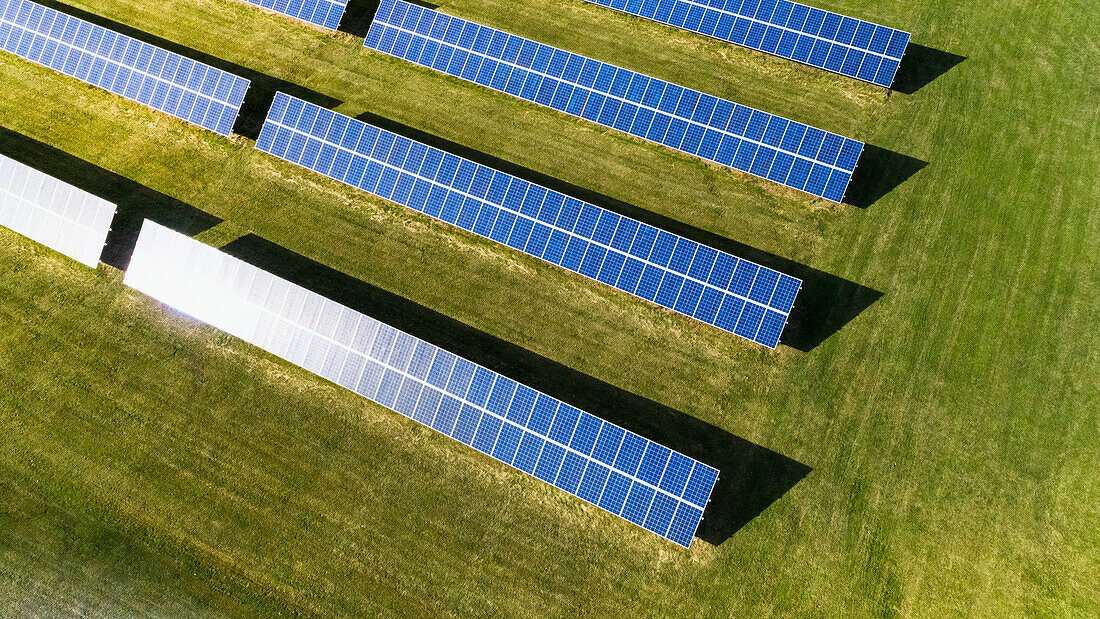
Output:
(324, 13)
(53, 213)
(795, 31)
(632, 477)
(698, 281)
(163, 80)
(790, 153)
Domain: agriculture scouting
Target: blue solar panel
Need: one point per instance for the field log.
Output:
(695, 280)
(168, 82)
(324, 13)
(826, 40)
(787, 152)
(630, 476)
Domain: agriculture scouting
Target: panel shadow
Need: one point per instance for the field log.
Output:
(360, 13)
(920, 65)
(135, 202)
(879, 172)
(358, 17)
(260, 94)
(824, 305)
(752, 477)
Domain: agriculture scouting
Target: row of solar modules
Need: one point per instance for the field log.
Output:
(642, 481)
(701, 282)
(819, 38)
(768, 146)
(163, 80)
(53, 213)
(325, 13)
(794, 31)
(632, 477)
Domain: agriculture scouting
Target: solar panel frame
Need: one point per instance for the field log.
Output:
(859, 49)
(187, 89)
(53, 213)
(324, 13)
(714, 287)
(790, 153)
(515, 424)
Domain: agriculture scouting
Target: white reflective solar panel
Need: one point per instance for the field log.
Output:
(632, 477)
(53, 213)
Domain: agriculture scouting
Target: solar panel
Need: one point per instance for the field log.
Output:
(632, 477)
(826, 40)
(324, 13)
(163, 80)
(787, 152)
(714, 287)
(53, 213)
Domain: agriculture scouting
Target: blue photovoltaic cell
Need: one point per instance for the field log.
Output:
(826, 40)
(325, 13)
(787, 152)
(696, 280)
(559, 444)
(163, 80)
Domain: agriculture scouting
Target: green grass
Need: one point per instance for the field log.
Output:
(62, 563)
(951, 427)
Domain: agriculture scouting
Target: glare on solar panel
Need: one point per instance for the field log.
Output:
(632, 477)
(823, 39)
(53, 213)
(325, 13)
(698, 281)
(163, 80)
(768, 146)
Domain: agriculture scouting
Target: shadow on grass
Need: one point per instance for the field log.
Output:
(920, 65)
(360, 13)
(825, 304)
(261, 91)
(752, 477)
(135, 202)
(358, 17)
(879, 172)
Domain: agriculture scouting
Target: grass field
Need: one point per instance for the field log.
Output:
(941, 447)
